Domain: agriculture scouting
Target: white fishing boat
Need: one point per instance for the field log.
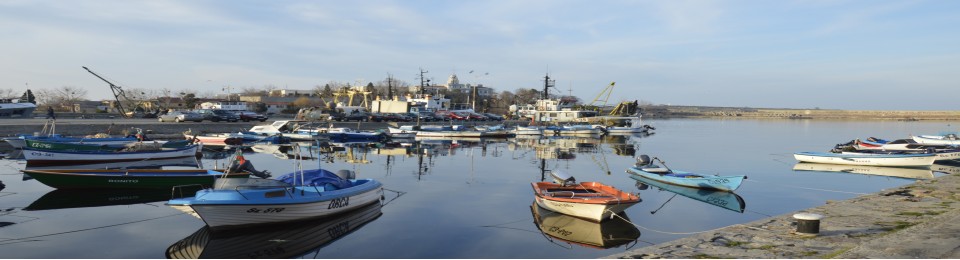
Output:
(948, 139)
(287, 128)
(407, 131)
(528, 130)
(303, 194)
(36, 157)
(904, 160)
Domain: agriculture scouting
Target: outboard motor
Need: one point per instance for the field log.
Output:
(346, 174)
(242, 165)
(643, 160)
(563, 178)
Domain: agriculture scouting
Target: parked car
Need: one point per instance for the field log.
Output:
(423, 117)
(493, 116)
(247, 116)
(376, 117)
(217, 115)
(473, 116)
(451, 115)
(359, 116)
(180, 116)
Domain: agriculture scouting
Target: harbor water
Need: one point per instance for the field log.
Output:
(472, 198)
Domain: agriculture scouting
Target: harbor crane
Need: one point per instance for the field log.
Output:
(608, 90)
(117, 93)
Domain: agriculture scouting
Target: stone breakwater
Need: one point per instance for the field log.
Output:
(784, 113)
(920, 220)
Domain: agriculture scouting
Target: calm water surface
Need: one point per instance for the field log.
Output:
(466, 198)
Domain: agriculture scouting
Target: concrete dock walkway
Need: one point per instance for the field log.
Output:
(920, 220)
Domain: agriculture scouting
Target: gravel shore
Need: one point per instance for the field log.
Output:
(919, 220)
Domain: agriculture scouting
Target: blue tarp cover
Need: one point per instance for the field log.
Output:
(316, 177)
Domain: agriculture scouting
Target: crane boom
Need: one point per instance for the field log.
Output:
(117, 92)
(608, 90)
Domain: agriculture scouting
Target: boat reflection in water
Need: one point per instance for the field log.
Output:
(65, 199)
(724, 199)
(611, 233)
(898, 172)
(284, 240)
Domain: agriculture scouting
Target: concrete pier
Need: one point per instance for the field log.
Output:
(920, 220)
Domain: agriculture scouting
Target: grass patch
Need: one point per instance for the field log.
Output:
(895, 226)
(809, 253)
(836, 253)
(736, 243)
(920, 214)
(706, 256)
(765, 247)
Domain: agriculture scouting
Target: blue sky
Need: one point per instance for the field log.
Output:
(884, 55)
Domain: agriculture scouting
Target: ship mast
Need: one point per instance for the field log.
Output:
(547, 83)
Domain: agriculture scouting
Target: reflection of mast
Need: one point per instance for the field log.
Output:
(420, 168)
(543, 169)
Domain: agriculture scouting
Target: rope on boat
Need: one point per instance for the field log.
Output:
(816, 189)
(612, 214)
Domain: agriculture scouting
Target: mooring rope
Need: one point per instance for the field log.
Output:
(612, 214)
(23, 239)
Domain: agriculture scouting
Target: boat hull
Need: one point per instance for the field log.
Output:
(702, 181)
(899, 172)
(903, 160)
(594, 208)
(230, 208)
(50, 158)
(935, 140)
(125, 179)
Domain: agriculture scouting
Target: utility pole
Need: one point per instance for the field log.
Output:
(423, 82)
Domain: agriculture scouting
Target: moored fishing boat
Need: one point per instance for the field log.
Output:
(127, 179)
(37, 157)
(528, 130)
(286, 128)
(904, 160)
(646, 169)
(295, 196)
(590, 200)
(946, 139)
(216, 139)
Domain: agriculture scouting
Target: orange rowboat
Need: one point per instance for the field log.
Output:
(590, 200)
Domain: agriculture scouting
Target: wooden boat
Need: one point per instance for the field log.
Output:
(577, 231)
(298, 238)
(904, 160)
(20, 141)
(723, 199)
(589, 200)
(295, 196)
(646, 169)
(47, 158)
(342, 134)
(947, 139)
(127, 179)
(573, 130)
(898, 172)
(448, 131)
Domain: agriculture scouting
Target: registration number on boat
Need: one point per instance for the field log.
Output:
(339, 203)
(266, 210)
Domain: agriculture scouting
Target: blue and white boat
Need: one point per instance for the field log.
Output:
(41, 157)
(19, 141)
(295, 196)
(902, 160)
(646, 169)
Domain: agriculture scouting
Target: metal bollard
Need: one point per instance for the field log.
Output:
(808, 223)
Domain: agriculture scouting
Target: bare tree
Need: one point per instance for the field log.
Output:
(8, 93)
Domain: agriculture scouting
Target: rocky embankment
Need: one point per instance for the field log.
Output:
(919, 220)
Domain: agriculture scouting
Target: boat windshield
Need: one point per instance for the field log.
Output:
(248, 183)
